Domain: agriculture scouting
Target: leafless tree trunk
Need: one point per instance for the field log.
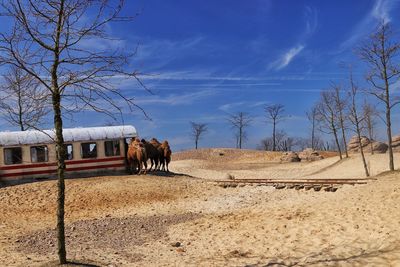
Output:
(312, 117)
(381, 53)
(239, 122)
(48, 41)
(23, 102)
(198, 129)
(369, 114)
(327, 115)
(275, 114)
(341, 106)
(356, 120)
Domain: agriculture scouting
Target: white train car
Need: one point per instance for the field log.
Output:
(30, 155)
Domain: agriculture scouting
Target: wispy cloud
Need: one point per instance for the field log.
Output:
(102, 44)
(196, 75)
(311, 17)
(311, 25)
(230, 106)
(380, 12)
(243, 104)
(174, 99)
(158, 53)
(286, 58)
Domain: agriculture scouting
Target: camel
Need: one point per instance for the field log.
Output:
(166, 155)
(137, 156)
(152, 154)
(160, 153)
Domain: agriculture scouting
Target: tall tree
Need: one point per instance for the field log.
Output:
(370, 113)
(356, 119)
(198, 129)
(327, 115)
(240, 121)
(23, 102)
(312, 117)
(49, 40)
(381, 53)
(341, 106)
(275, 114)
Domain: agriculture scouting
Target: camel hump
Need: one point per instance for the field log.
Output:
(135, 140)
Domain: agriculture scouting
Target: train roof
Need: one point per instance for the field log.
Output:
(70, 135)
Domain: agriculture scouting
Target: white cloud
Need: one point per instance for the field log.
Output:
(287, 57)
(101, 44)
(229, 107)
(311, 16)
(379, 12)
(173, 99)
(160, 52)
(196, 75)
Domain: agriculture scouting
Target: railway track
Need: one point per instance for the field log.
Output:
(330, 185)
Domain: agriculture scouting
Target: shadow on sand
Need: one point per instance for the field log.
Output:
(74, 263)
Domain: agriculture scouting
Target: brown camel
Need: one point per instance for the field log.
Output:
(152, 154)
(137, 156)
(166, 158)
(160, 151)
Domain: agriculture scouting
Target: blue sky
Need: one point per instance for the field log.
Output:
(208, 59)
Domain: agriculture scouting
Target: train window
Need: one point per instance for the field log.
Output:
(88, 150)
(12, 155)
(39, 154)
(69, 153)
(112, 148)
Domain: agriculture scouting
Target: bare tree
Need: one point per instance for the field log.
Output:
(341, 105)
(240, 121)
(198, 129)
(275, 114)
(381, 53)
(312, 117)
(356, 119)
(370, 113)
(283, 142)
(266, 144)
(23, 102)
(327, 117)
(49, 40)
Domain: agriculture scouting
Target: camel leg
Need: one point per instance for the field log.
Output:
(151, 164)
(145, 167)
(155, 163)
(139, 167)
(158, 164)
(132, 166)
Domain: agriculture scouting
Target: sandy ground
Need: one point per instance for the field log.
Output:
(184, 219)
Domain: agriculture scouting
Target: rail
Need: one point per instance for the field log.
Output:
(317, 184)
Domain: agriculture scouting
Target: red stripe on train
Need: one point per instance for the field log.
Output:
(53, 171)
(67, 162)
